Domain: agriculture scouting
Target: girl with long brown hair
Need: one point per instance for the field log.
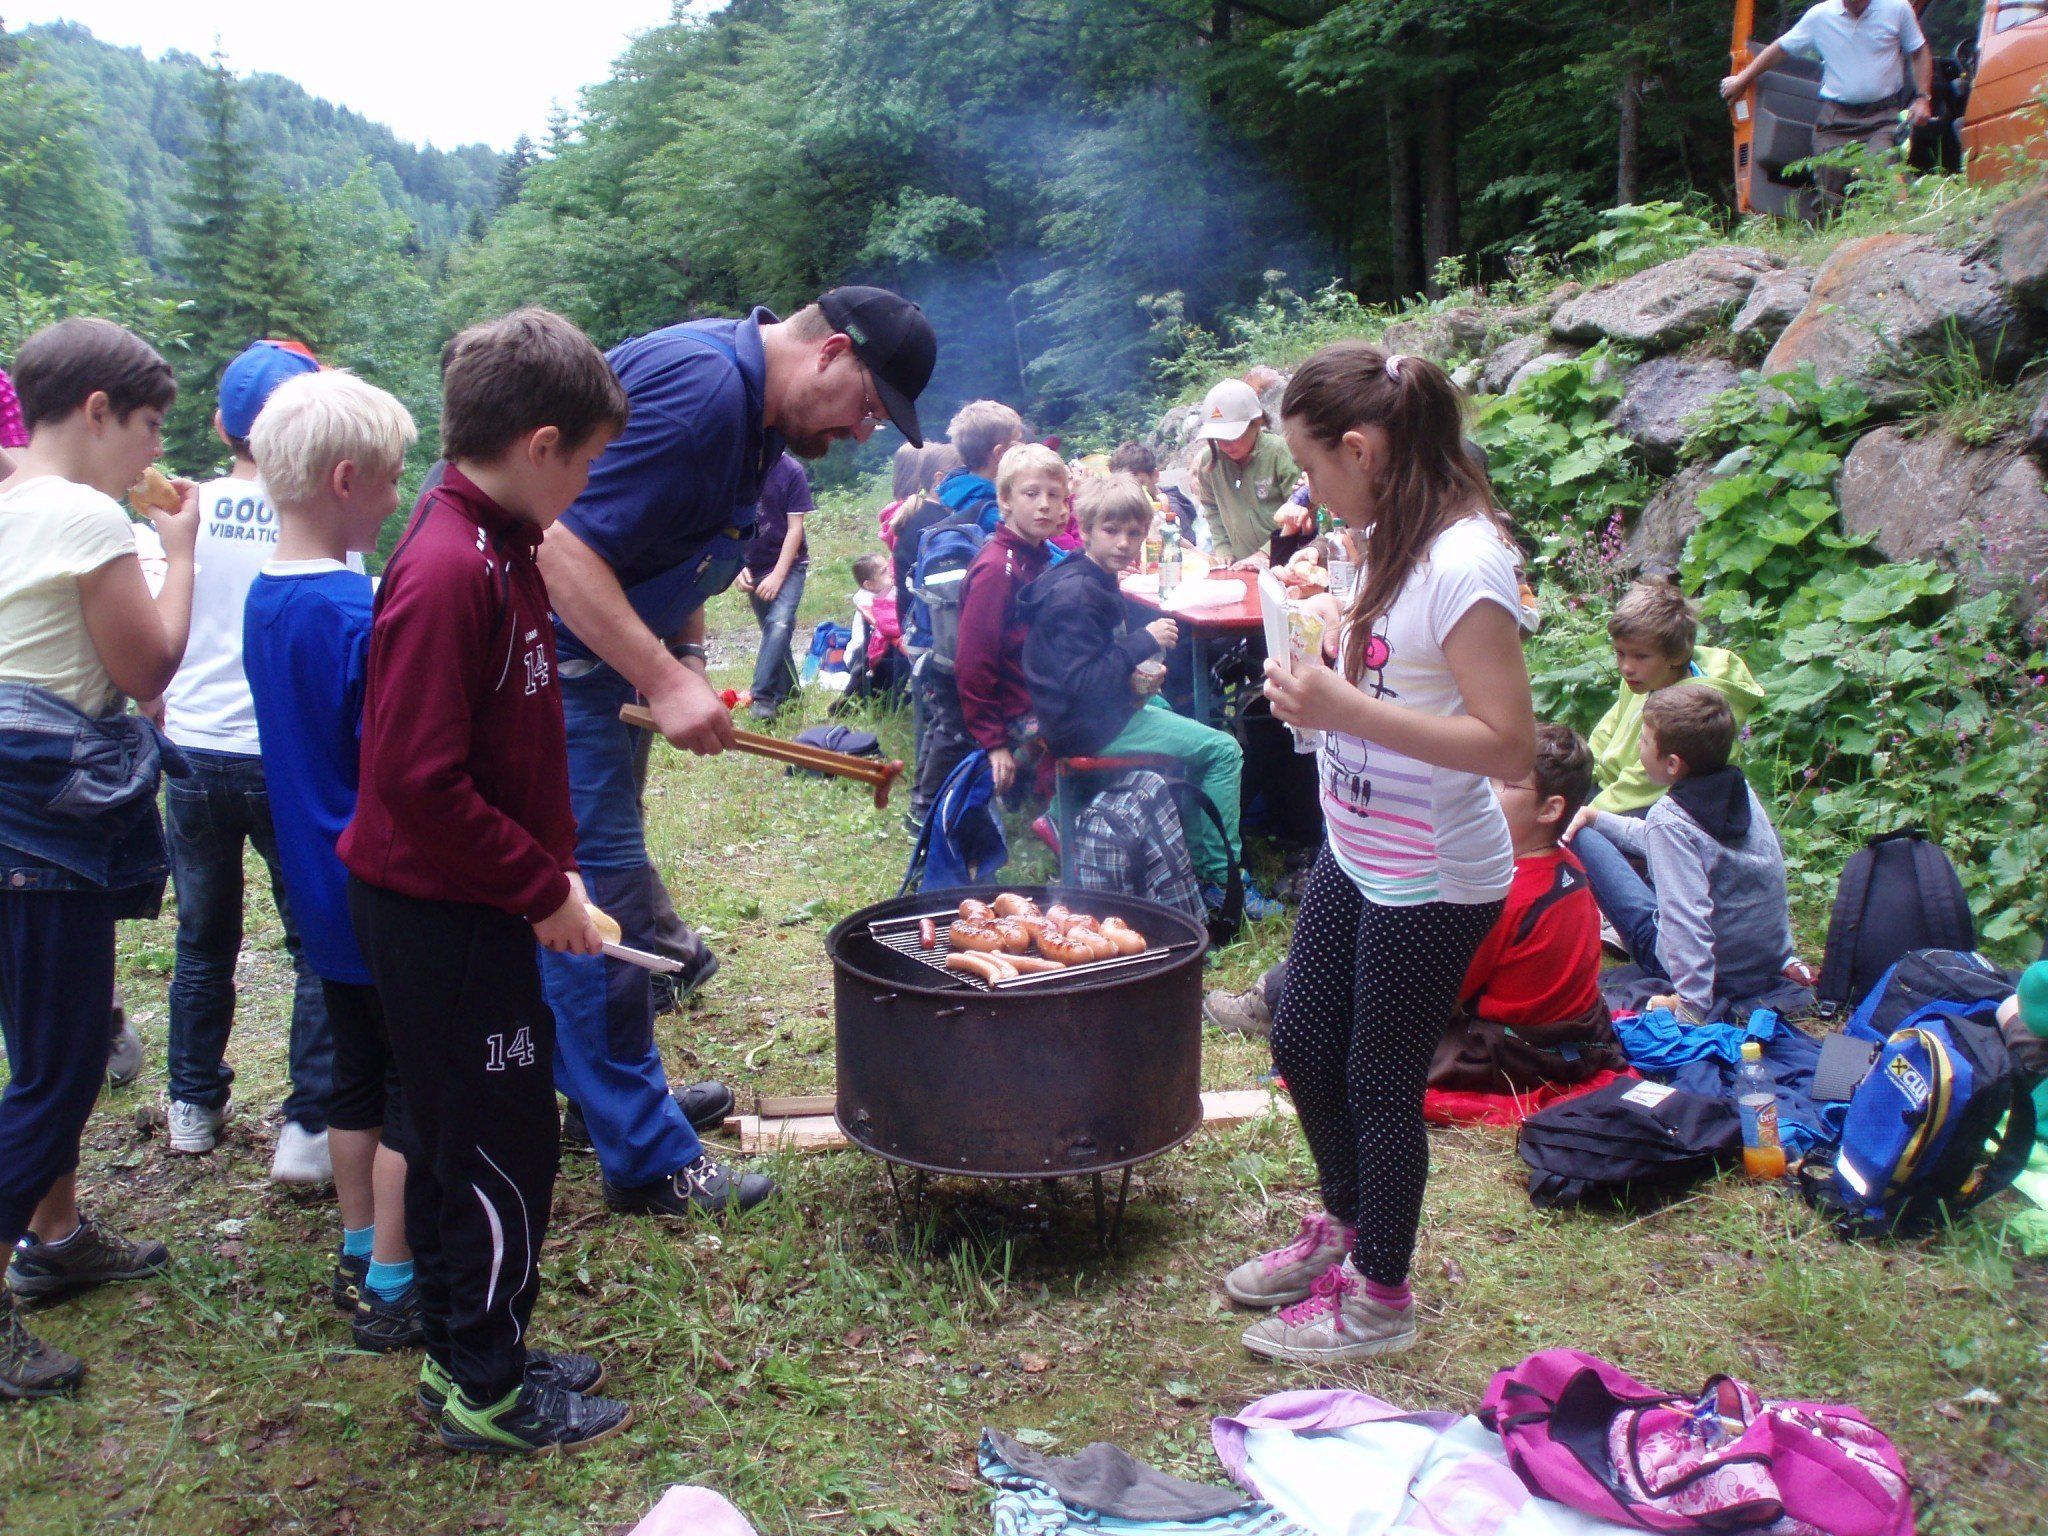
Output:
(1428, 701)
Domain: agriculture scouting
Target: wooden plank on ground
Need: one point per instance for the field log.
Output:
(821, 1133)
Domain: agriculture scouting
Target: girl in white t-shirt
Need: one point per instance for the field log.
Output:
(1427, 702)
(79, 630)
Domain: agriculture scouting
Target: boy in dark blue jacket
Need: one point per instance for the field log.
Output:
(1093, 665)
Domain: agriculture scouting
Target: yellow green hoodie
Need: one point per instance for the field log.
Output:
(1616, 742)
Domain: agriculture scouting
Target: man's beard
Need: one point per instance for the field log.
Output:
(814, 447)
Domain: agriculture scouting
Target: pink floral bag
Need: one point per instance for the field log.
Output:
(1587, 1434)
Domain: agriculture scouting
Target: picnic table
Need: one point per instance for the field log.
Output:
(1204, 625)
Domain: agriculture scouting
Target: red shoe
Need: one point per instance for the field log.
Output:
(1047, 834)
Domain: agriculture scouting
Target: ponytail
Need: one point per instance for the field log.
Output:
(1427, 482)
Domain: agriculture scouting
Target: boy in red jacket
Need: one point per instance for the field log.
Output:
(1531, 1007)
(462, 856)
(1031, 489)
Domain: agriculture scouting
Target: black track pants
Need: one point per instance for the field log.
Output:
(475, 1047)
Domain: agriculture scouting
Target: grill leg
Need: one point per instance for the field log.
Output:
(1123, 1196)
(903, 1207)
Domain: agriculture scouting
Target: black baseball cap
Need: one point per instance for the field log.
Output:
(892, 337)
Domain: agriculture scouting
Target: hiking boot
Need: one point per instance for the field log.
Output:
(195, 1128)
(672, 989)
(346, 1287)
(1239, 1013)
(1337, 1322)
(565, 1372)
(89, 1256)
(1287, 1275)
(383, 1327)
(29, 1368)
(704, 1105)
(302, 1157)
(703, 1188)
(124, 1061)
(531, 1420)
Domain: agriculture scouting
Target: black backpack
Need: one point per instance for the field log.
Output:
(1630, 1138)
(1897, 893)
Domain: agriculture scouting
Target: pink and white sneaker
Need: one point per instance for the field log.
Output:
(1339, 1321)
(1288, 1274)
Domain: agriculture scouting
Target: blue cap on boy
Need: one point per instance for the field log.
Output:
(247, 381)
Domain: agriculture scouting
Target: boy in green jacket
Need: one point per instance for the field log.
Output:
(1654, 630)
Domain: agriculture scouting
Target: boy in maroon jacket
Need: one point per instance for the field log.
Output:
(1031, 489)
(462, 856)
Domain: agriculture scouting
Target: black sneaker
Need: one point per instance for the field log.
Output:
(531, 1421)
(704, 1105)
(86, 1258)
(29, 1368)
(565, 1372)
(672, 989)
(384, 1327)
(347, 1285)
(704, 1188)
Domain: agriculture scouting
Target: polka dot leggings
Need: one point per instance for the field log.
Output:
(1369, 990)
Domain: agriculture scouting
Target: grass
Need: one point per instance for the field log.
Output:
(830, 1376)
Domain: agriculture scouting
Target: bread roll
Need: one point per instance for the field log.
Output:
(154, 493)
(606, 925)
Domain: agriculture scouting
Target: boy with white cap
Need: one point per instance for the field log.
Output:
(1243, 474)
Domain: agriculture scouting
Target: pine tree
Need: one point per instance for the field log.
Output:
(215, 198)
(512, 174)
(269, 270)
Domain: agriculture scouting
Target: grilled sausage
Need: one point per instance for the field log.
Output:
(1128, 940)
(1015, 936)
(1010, 904)
(1031, 965)
(1067, 949)
(982, 936)
(984, 967)
(973, 911)
(927, 934)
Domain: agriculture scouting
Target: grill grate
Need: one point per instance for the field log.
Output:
(900, 934)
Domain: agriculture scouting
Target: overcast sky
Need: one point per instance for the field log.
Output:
(445, 72)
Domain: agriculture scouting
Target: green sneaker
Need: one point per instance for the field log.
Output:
(530, 1421)
(565, 1372)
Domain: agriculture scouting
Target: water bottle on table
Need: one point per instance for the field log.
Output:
(1756, 1099)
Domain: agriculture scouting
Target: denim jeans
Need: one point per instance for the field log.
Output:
(774, 673)
(1629, 900)
(606, 1058)
(218, 807)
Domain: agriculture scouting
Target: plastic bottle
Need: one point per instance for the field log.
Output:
(1169, 562)
(1763, 1156)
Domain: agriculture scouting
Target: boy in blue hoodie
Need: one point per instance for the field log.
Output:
(1093, 665)
(330, 449)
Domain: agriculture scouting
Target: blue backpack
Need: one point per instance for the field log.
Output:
(938, 584)
(1943, 1121)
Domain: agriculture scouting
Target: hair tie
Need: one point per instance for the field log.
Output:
(1394, 362)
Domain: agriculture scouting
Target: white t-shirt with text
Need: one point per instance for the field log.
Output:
(207, 705)
(1405, 831)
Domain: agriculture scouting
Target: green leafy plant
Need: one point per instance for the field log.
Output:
(1557, 464)
(1639, 235)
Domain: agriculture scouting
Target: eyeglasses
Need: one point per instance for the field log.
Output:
(876, 416)
(1505, 787)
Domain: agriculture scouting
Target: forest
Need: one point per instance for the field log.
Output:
(1066, 186)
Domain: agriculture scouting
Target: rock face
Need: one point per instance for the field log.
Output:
(1773, 304)
(1883, 301)
(1662, 308)
(1979, 512)
(2037, 429)
(1498, 371)
(1658, 538)
(1659, 395)
(1444, 337)
(2020, 247)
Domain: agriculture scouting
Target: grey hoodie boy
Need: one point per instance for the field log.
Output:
(1724, 933)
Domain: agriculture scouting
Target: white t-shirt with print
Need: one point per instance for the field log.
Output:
(208, 705)
(52, 532)
(1407, 832)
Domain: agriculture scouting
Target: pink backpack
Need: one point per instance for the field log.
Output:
(1589, 1435)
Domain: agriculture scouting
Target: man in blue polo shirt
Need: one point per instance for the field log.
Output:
(1865, 49)
(662, 527)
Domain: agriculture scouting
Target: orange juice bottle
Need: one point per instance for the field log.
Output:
(1763, 1155)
